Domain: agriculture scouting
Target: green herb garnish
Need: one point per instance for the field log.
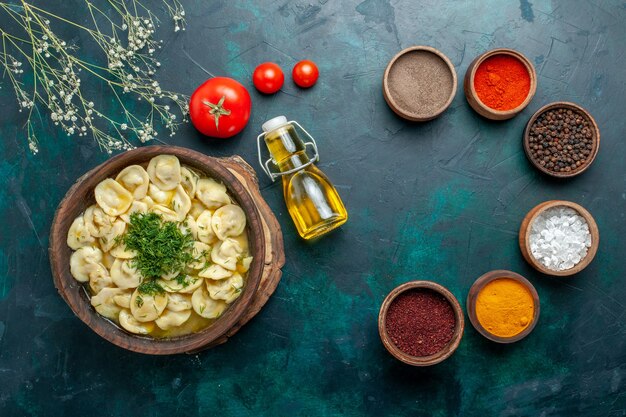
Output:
(161, 247)
(139, 301)
(150, 287)
(183, 280)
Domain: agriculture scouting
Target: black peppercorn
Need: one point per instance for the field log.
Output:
(561, 140)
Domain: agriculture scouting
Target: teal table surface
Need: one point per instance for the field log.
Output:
(441, 201)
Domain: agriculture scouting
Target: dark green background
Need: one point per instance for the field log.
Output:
(441, 201)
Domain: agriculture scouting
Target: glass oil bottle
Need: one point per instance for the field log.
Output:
(311, 199)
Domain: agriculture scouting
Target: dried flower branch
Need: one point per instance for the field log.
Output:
(127, 41)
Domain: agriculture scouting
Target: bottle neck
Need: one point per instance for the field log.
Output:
(286, 148)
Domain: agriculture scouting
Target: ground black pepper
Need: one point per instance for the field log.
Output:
(420, 322)
(561, 140)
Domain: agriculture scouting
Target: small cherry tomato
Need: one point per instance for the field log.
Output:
(268, 78)
(305, 73)
(220, 107)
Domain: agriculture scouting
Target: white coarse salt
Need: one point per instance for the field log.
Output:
(559, 238)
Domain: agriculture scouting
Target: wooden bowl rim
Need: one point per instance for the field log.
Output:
(70, 289)
(415, 117)
(595, 139)
(531, 72)
(438, 357)
(524, 237)
(485, 279)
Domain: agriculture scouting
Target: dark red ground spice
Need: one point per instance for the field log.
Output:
(420, 322)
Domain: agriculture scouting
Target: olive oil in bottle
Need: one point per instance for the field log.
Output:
(312, 201)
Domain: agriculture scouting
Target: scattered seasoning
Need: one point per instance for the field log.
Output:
(502, 82)
(420, 322)
(559, 238)
(504, 307)
(561, 140)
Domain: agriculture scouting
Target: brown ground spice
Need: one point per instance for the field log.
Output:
(420, 82)
(420, 322)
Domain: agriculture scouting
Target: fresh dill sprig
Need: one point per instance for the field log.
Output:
(183, 280)
(160, 247)
(150, 287)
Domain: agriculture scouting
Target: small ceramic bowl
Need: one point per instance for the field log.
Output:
(447, 351)
(472, 96)
(480, 283)
(524, 237)
(419, 83)
(595, 139)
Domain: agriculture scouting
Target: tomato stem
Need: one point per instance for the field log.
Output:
(217, 110)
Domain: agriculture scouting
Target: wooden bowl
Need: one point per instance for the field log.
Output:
(524, 237)
(81, 195)
(595, 139)
(472, 96)
(447, 351)
(424, 72)
(484, 280)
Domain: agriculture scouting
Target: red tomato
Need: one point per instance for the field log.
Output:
(305, 73)
(268, 78)
(220, 107)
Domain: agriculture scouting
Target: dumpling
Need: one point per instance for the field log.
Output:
(205, 231)
(181, 203)
(148, 201)
(189, 180)
(226, 289)
(189, 227)
(124, 274)
(170, 319)
(112, 198)
(147, 307)
(211, 193)
(159, 196)
(168, 276)
(136, 207)
(104, 302)
(201, 253)
(178, 302)
(135, 179)
(166, 214)
(128, 322)
(245, 264)
(83, 261)
(78, 235)
(108, 238)
(120, 251)
(205, 306)
(164, 171)
(97, 221)
(185, 285)
(227, 221)
(99, 278)
(215, 272)
(226, 253)
(123, 299)
(196, 208)
(108, 259)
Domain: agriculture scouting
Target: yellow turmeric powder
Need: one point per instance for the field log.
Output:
(504, 307)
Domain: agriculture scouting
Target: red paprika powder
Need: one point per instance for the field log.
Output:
(502, 82)
(420, 322)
